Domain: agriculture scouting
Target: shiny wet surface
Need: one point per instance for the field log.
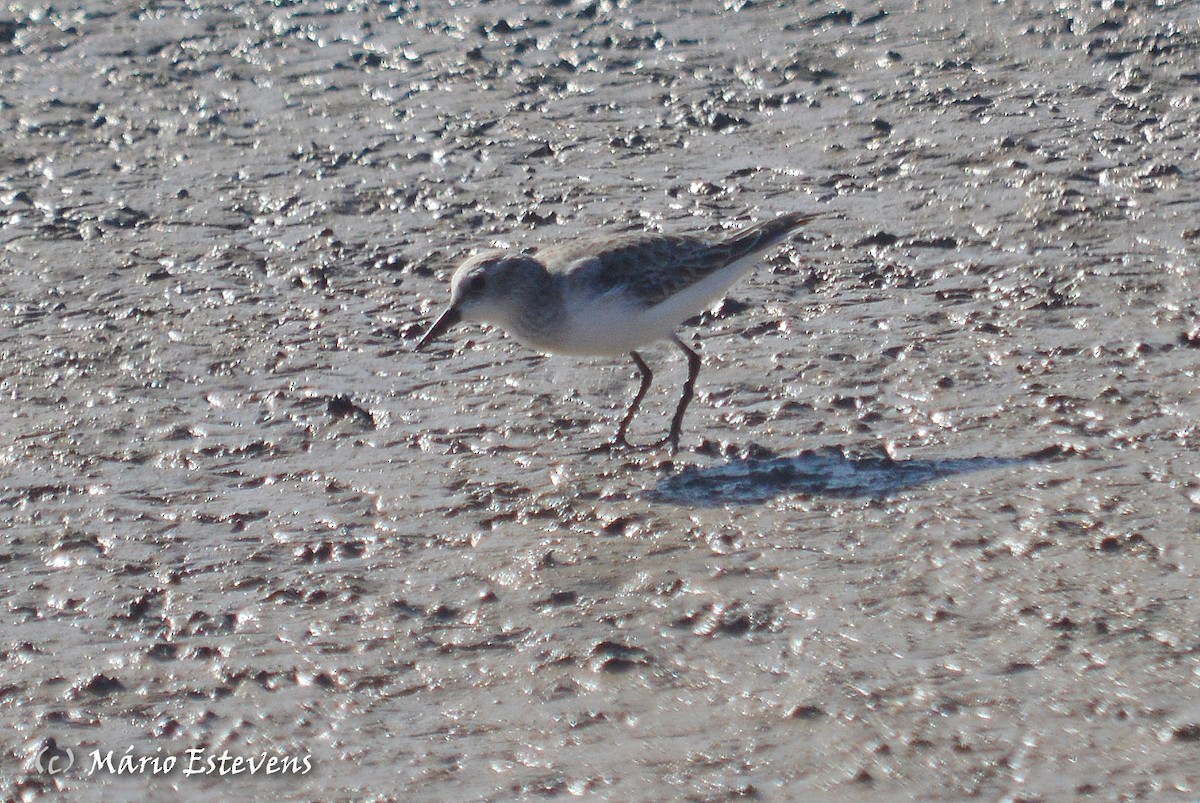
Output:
(932, 532)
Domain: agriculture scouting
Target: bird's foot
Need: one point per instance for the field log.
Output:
(621, 443)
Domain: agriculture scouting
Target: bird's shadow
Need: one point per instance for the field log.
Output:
(828, 472)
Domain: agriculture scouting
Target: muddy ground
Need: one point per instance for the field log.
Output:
(933, 532)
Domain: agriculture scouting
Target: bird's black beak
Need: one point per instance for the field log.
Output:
(446, 320)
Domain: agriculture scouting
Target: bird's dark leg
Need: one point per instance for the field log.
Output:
(689, 388)
(647, 378)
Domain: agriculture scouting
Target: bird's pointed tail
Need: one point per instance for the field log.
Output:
(762, 236)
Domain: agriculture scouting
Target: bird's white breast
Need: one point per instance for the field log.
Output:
(617, 322)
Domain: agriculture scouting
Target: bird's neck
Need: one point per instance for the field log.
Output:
(536, 315)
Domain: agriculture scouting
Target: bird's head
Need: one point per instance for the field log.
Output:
(486, 288)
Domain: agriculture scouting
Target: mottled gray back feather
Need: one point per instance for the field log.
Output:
(654, 267)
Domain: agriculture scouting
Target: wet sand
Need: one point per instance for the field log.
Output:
(933, 532)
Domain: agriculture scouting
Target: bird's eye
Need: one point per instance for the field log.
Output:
(476, 284)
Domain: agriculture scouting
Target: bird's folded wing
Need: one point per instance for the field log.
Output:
(650, 269)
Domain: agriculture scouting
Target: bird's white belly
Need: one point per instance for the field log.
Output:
(609, 326)
(616, 322)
